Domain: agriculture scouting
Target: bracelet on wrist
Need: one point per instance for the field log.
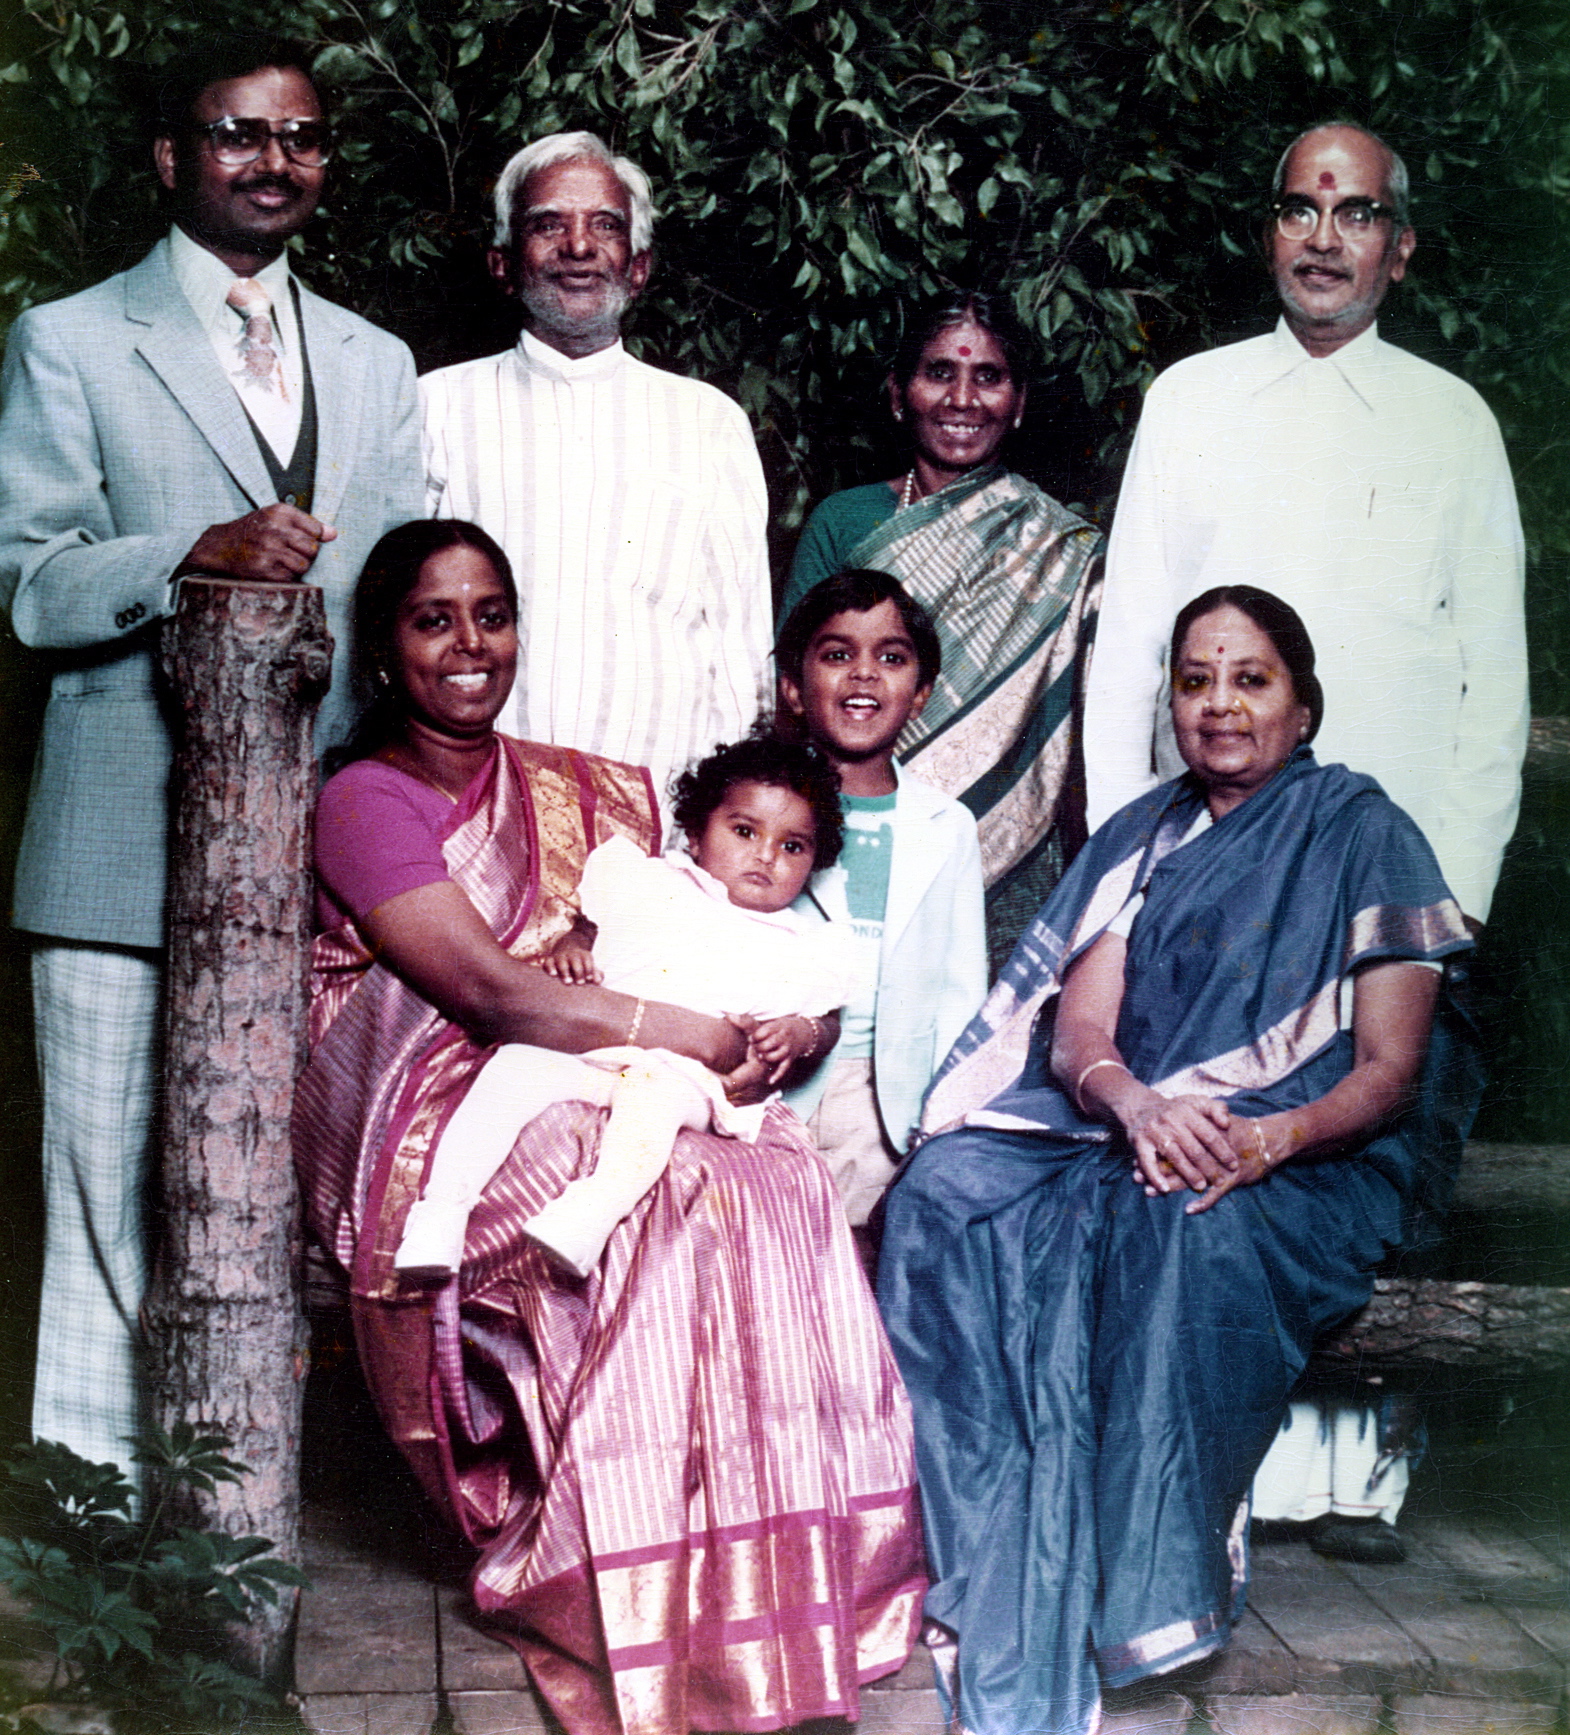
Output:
(1079, 1101)
(1261, 1145)
(636, 1025)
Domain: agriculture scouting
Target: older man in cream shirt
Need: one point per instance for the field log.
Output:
(630, 500)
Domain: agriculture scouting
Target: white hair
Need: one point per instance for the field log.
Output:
(1398, 183)
(573, 148)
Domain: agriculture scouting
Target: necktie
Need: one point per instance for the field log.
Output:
(259, 364)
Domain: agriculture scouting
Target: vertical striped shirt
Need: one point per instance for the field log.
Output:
(631, 504)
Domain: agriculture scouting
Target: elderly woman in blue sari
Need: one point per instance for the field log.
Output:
(1012, 581)
(1174, 1144)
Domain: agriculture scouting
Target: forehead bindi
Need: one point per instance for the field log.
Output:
(1338, 163)
(966, 341)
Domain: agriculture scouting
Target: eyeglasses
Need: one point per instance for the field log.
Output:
(236, 140)
(1297, 219)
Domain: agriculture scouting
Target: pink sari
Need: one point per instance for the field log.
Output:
(689, 1476)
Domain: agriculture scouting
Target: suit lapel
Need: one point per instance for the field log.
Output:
(340, 391)
(916, 861)
(176, 348)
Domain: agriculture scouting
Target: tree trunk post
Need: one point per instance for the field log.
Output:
(248, 665)
(1422, 1325)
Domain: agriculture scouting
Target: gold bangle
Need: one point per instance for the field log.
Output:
(1079, 1083)
(635, 1026)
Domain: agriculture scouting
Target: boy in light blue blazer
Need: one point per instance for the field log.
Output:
(857, 659)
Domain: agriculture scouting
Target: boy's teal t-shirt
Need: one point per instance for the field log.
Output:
(868, 853)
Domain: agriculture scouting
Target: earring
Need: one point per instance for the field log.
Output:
(381, 677)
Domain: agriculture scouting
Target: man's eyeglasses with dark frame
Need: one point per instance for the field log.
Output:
(238, 139)
(1354, 219)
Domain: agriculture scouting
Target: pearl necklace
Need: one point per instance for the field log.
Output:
(908, 492)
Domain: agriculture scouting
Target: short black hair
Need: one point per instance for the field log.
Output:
(214, 57)
(993, 313)
(855, 590)
(391, 571)
(1279, 622)
(794, 765)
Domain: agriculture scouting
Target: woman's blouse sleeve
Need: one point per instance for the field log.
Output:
(835, 527)
(378, 833)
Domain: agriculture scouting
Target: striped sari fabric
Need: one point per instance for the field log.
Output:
(688, 1477)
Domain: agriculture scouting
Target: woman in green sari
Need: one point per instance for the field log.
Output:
(1011, 579)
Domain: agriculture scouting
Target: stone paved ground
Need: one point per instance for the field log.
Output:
(1470, 1637)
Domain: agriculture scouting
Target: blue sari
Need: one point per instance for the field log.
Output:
(1095, 1374)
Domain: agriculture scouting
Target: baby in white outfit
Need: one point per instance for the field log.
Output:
(714, 934)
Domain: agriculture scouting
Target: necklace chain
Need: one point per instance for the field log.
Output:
(406, 762)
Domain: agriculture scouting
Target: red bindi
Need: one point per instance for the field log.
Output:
(1327, 179)
(964, 349)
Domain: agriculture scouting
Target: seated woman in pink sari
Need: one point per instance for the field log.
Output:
(689, 1475)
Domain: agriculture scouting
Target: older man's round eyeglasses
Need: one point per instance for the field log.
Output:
(237, 139)
(1297, 219)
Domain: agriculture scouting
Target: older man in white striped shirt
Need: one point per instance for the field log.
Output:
(629, 500)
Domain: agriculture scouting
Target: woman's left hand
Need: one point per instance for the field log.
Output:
(1255, 1160)
(1180, 1141)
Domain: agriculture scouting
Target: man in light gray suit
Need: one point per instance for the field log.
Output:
(200, 413)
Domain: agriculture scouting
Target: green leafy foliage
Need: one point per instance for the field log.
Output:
(1105, 161)
(134, 1613)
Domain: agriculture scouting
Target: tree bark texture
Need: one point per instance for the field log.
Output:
(1494, 1329)
(248, 665)
(1514, 1178)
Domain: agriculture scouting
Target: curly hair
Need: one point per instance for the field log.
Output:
(796, 766)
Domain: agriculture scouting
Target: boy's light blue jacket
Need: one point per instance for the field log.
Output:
(932, 973)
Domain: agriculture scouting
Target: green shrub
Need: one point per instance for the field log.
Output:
(134, 1613)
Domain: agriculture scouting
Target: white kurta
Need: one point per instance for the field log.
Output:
(631, 503)
(1370, 490)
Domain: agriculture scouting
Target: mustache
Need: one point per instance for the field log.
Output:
(268, 184)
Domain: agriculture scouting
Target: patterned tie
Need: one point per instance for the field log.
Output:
(259, 364)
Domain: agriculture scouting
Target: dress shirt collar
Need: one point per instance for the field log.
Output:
(205, 280)
(1361, 363)
(541, 358)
